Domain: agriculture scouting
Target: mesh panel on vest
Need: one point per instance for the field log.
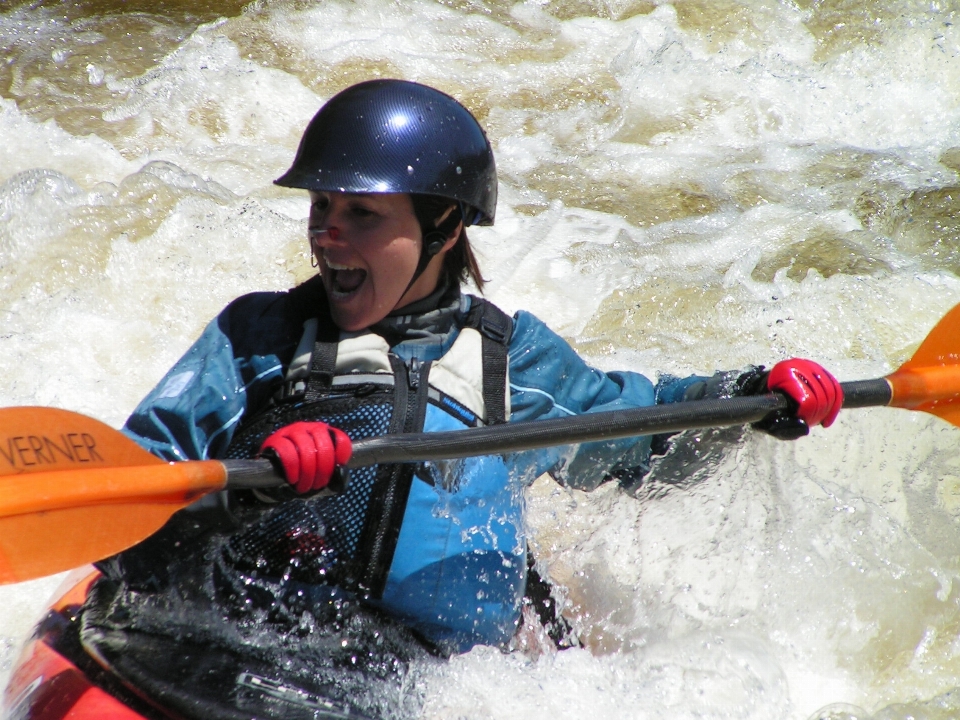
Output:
(339, 519)
(288, 543)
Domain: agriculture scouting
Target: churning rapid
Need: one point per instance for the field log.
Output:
(685, 187)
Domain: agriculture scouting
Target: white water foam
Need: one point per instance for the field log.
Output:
(698, 186)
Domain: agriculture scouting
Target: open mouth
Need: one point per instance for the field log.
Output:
(344, 279)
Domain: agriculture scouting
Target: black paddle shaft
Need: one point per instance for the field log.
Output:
(591, 427)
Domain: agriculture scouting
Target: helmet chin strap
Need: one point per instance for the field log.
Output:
(433, 243)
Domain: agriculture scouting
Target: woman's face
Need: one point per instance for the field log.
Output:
(368, 247)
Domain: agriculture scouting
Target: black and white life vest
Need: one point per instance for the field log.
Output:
(437, 545)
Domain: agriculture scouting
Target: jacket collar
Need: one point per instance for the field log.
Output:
(428, 322)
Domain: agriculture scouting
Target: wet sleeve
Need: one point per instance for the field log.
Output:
(726, 383)
(194, 411)
(549, 380)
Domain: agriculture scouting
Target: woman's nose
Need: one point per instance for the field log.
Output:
(318, 236)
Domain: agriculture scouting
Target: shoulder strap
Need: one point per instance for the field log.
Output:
(323, 363)
(495, 328)
(311, 370)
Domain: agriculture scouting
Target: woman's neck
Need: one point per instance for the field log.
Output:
(426, 320)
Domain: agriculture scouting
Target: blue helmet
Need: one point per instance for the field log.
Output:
(394, 136)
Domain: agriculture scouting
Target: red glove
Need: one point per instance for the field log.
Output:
(309, 453)
(816, 392)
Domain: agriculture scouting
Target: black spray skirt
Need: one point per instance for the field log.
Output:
(197, 630)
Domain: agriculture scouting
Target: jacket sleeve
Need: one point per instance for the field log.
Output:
(549, 380)
(194, 411)
(725, 383)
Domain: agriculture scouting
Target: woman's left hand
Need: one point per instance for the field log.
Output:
(816, 392)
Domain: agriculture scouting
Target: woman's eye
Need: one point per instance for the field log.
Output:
(363, 212)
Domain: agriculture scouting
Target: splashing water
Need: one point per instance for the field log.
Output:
(685, 187)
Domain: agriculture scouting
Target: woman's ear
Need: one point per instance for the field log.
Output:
(453, 237)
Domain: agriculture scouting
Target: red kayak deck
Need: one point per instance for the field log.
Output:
(45, 685)
(163, 676)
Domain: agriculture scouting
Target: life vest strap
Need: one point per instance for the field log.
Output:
(496, 328)
(322, 368)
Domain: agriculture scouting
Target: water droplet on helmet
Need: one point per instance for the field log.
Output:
(409, 169)
(459, 170)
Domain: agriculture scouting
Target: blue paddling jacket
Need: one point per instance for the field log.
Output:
(439, 546)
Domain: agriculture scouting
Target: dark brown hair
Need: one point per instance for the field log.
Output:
(460, 264)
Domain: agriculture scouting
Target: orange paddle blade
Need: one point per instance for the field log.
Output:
(930, 380)
(39, 439)
(73, 490)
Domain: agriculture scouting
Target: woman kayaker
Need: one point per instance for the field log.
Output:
(384, 340)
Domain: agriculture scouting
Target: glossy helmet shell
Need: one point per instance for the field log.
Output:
(394, 136)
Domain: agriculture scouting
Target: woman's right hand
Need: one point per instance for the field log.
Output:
(816, 392)
(309, 453)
